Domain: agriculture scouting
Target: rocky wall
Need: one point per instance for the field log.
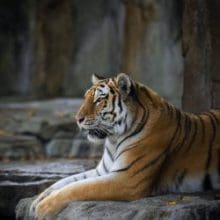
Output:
(51, 48)
(201, 32)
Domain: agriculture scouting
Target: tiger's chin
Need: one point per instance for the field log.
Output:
(95, 140)
(96, 136)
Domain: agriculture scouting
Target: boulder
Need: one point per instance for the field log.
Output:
(24, 179)
(13, 147)
(36, 129)
(42, 119)
(172, 207)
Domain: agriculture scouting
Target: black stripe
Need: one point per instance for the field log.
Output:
(209, 157)
(109, 153)
(104, 166)
(97, 172)
(118, 122)
(215, 117)
(130, 165)
(178, 116)
(207, 183)
(113, 104)
(142, 181)
(184, 135)
(202, 128)
(169, 109)
(126, 127)
(147, 93)
(114, 81)
(119, 104)
(192, 139)
(125, 122)
(178, 133)
(127, 149)
(112, 110)
(111, 90)
(100, 90)
(84, 176)
(179, 178)
(105, 104)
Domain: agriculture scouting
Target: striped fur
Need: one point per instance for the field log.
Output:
(150, 147)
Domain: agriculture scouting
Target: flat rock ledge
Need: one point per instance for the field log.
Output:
(20, 180)
(178, 207)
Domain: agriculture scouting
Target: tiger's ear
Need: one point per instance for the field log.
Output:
(124, 84)
(96, 78)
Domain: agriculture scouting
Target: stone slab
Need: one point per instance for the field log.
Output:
(24, 179)
(166, 207)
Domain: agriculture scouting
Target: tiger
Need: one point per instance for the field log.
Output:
(150, 148)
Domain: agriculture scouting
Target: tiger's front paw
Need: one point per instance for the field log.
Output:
(47, 208)
(33, 207)
(32, 210)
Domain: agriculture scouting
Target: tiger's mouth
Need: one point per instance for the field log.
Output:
(97, 133)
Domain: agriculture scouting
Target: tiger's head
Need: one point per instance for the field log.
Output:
(109, 108)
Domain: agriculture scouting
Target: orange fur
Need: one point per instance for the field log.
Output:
(170, 150)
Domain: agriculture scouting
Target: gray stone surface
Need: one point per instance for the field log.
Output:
(172, 207)
(15, 147)
(57, 45)
(82, 148)
(40, 118)
(39, 129)
(24, 179)
(58, 147)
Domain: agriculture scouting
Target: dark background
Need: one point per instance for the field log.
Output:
(50, 48)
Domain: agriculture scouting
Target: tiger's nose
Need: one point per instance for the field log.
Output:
(80, 119)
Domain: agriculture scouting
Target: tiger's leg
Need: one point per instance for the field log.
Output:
(61, 183)
(107, 187)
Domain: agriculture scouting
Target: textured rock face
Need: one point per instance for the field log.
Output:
(20, 147)
(172, 207)
(201, 51)
(152, 50)
(25, 179)
(59, 44)
(34, 130)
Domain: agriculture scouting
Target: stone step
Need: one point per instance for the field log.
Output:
(24, 179)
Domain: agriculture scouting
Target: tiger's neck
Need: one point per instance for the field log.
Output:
(151, 128)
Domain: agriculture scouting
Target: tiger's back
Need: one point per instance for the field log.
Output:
(194, 164)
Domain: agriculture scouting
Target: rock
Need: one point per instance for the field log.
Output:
(21, 180)
(200, 31)
(58, 147)
(197, 52)
(172, 207)
(78, 147)
(59, 44)
(43, 128)
(63, 135)
(82, 148)
(152, 51)
(40, 118)
(13, 147)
